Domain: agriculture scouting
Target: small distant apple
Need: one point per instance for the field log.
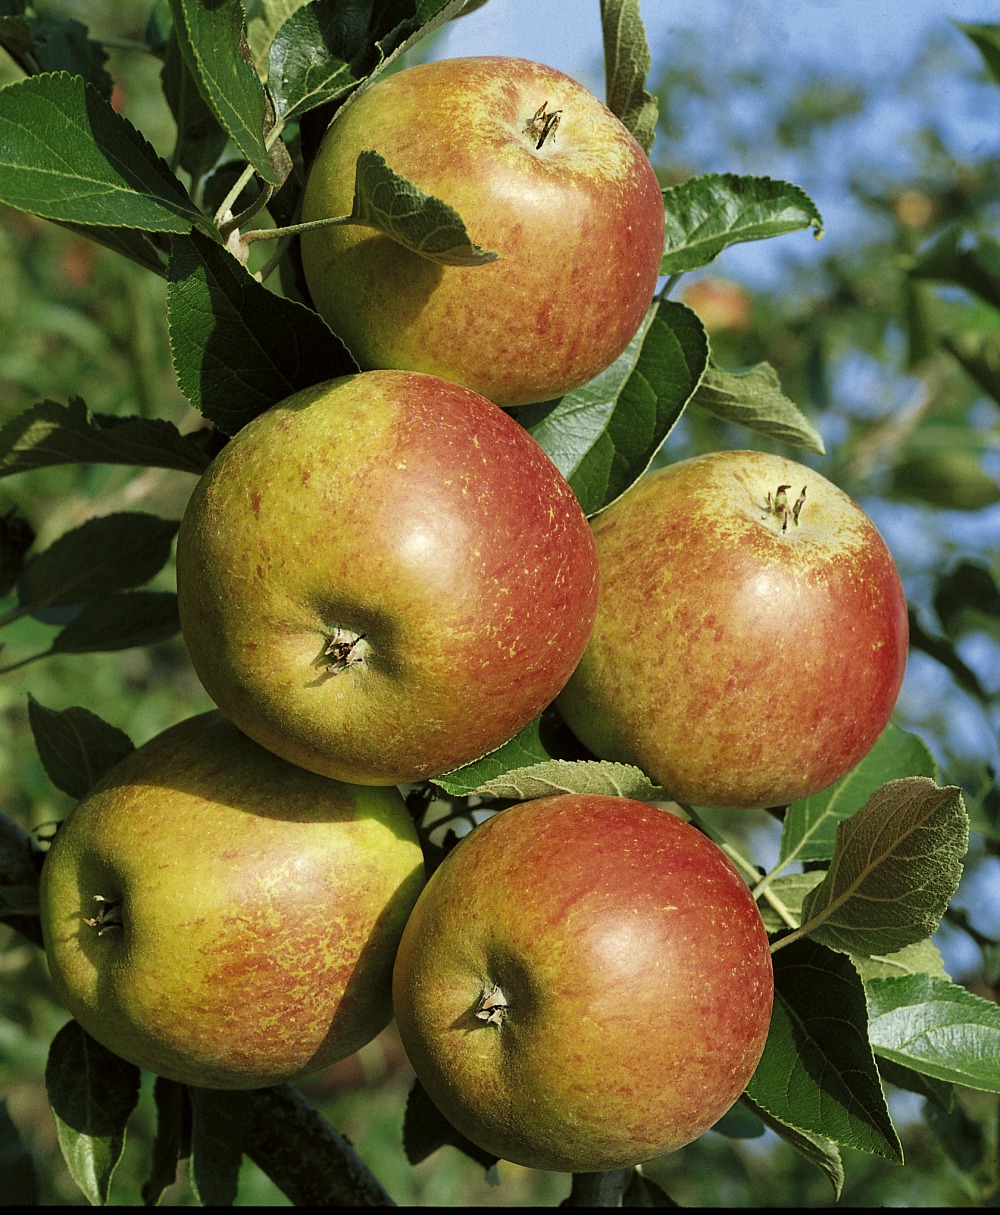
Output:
(384, 577)
(584, 984)
(222, 918)
(542, 174)
(751, 637)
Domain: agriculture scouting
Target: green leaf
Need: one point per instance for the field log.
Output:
(937, 1028)
(92, 1093)
(327, 48)
(45, 42)
(200, 138)
(810, 826)
(895, 866)
(139, 247)
(66, 155)
(939, 1092)
(218, 1131)
(112, 553)
(385, 200)
(76, 747)
(819, 1150)
(922, 957)
(642, 1191)
(954, 480)
(172, 1141)
(705, 215)
(783, 898)
(16, 538)
(120, 622)
(817, 1074)
(626, 66)
(20, 1185)
(213, 42)
(987, 40)
(979, 354)
(237, 347)
(603, 436)
(753, 398)
(572, 776)
(47, 433)
(967, 259)
(425, 1129)
(966, 587)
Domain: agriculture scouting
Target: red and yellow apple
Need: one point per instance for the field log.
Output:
(384, 577)
(542, 174)
(751, 635)
(584, 984)
(223, 918)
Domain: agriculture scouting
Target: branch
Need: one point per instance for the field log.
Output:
(598, 1189)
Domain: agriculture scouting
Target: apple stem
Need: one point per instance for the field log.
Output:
(106, 909)
(341, 650)
(542, 124)
(778, 506)
(492, 1005)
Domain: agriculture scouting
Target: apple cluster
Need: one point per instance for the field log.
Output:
(383, 578)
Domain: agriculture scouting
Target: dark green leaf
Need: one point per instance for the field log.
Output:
(706, 214)
(212, 40)
(603, 436)
(987, 39)
(16, 538)
(92, 1093)
(20, 1185)
(626, 66)
(139, 247)
(237, 347)
(979, 354)
(120, 622)
(963, 1138)
(76, 747)
(200, 139)
(954, 480)
(753, 398)
(544, 738)
(810, 825)
(939, 1092)
(818, 1074)
(739, 1122)
(937, 1028)
(642, 1191)
(172, 1141)
(48, 433)
(968, 586)
(425, 1129)
(112, 553)
(66, 155)
(964, 258)
(818, 1149)
(896, 863)
(45, 42)
(385, 200)
(218, 1132)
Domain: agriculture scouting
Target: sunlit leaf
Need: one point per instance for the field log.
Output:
(626, 65)
(753, 398)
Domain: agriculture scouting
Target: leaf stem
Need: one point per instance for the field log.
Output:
(669, 285)
(799, 932)
(23, 662)
(294, 229)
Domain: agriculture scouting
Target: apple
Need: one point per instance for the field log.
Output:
(751, 636)
(542, 174)
(217, 916)
(384, 577)
(584, 984)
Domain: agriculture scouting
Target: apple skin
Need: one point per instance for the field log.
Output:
(412, 514)
(635, 969)
(262, 906)
(739, 664)
(577, 223)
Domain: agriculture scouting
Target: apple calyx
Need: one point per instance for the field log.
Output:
(542, 124)
(107, 910)
(343, 649)
(492, 1005)
(778, 506)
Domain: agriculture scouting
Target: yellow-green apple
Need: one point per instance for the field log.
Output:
(223, 918)
(583, 984)
(542, 174)
(751, 635)
(384, 577)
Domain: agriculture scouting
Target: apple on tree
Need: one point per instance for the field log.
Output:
(541, 173)
(223, 918)
(751, 635)
(584, 983)
(384, 577)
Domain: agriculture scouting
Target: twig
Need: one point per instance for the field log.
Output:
(598, 1189)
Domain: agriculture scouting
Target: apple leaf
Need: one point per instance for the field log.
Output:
(325, 49)
(140, 247)
(781, 899)
(45, 42)
(172, 1141)
(212, 40)
(111, 553)
(572, 776)
(626, 65)
(218, 1132)
(818, 1149)
(237, 347)
(66, 155)
(92, 1093)
(753, 398)
(817, 1074)
(979, 354)
(47, 433)
(200, 138)
(603, 436)
(895, 866)
(120, 622)
(922, 957)
(966, 259)
(939, 1092)
(934, 1026)
(705, 215)
(76, 747)
(643, 1191)
(987, 41)
(385, 200)
(20, 1183)
(425, 1129)
(810, 825)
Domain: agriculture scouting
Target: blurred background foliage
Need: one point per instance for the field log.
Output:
(878, 357)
